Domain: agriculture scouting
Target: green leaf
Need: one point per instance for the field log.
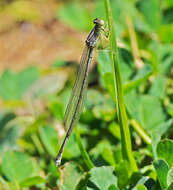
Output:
(71, 149)
(162, 169)
(155, 138)
(169, 3)
(32, 181)
(57, 110)
(71, 176)
(141, 187)
(141, 108)
(13, 85)
(141, 77)
(94, 98)
(12, 185)
(165, 151)
(123, 173)
(113, 187)
(75, 15)
(108, 155)
(106, 110)
(104, 65)
(18, 166)
(158, 87)
(49, 84)
(170, 187)
(170, 176)
(163, 127)
(151, 11)
(102, 177)
(165, 33)
(115, 130)
(9, 133)
(108, 80)
(49, 138)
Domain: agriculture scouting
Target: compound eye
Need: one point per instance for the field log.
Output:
(98, 22)
(95, 21)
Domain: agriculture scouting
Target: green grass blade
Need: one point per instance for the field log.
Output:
(121, 112)
(84, 153)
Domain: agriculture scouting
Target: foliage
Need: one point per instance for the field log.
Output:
(33, 102)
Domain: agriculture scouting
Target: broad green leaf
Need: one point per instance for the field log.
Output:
(141, 187)
(72, 175)
(155, 138)
(141, 77)
(57, 110)
(18, 166)
(105, 111)
(170, 176)
(162, 169)
(165, 151)
(32, 181)
(113, 187)
(104, 65)
(163, 127)
(102, 177)
(108, 80)
(151, 11)
(71, 149)
(97, 150)
(49, 138)
(123, 173)
(126, 65)
(108, 155)
(115, 130)
(12, 185)
(105, 69)
(8, 133)
(169, 3)
(75, 15)
(94, 98)
(47, 85)
(8, 138)
(165, 33)
(158, 87)
(141, 108)
(13, 85)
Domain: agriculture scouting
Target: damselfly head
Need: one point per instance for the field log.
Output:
(98, 22)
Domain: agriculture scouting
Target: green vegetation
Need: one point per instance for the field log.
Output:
(123, 140)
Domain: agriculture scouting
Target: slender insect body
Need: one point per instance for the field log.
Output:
(75, 104)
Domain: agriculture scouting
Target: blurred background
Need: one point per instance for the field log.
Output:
(41, 42)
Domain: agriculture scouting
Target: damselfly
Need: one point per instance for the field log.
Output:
(75, 104)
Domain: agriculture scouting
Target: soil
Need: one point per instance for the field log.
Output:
(31, 44)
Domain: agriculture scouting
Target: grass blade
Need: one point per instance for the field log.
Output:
(84, 153)
(121, 112)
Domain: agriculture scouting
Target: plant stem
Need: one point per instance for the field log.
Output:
(140, 131)
(84, 153)
(121, 112)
